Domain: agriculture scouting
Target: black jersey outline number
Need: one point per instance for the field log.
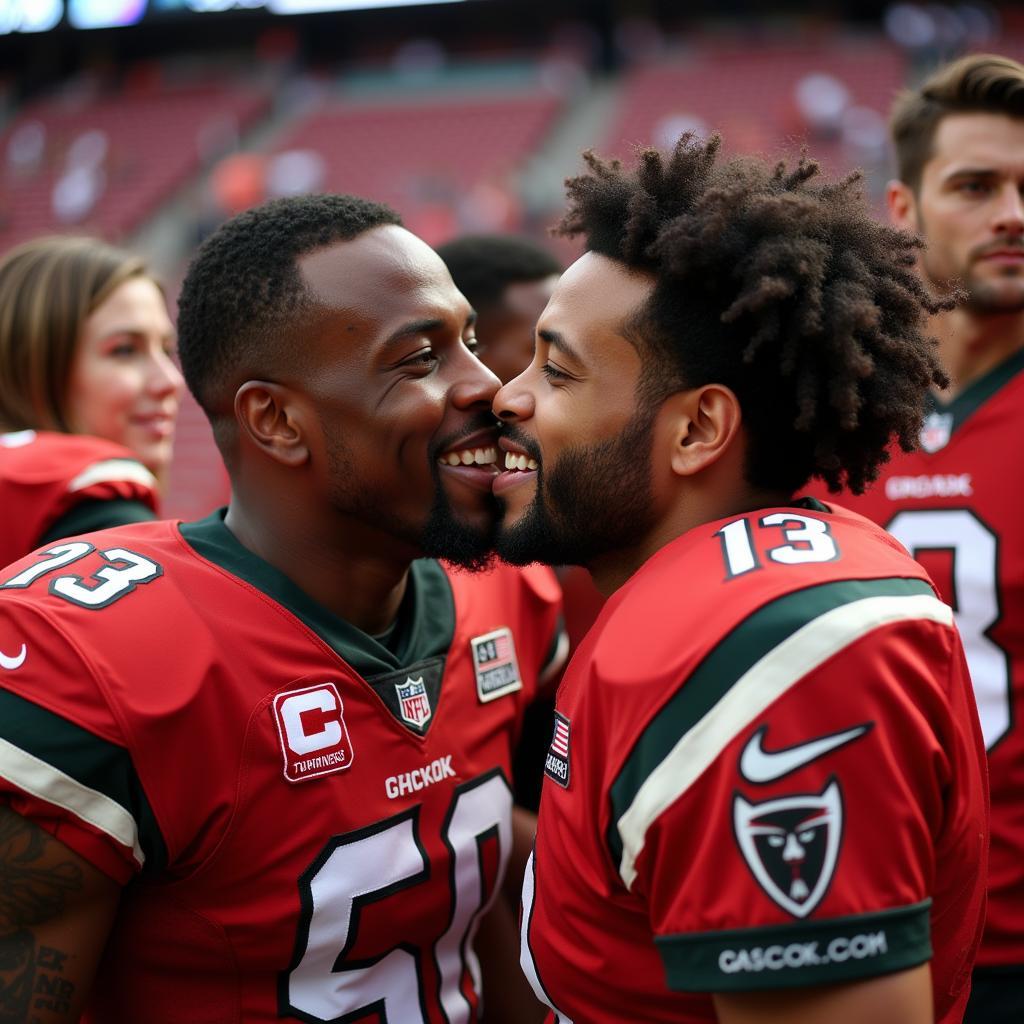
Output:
(322, 985)
(807, 540)
(123, 572)
(975, 599)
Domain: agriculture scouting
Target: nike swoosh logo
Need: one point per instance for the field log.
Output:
(759, 765)
(6, 661)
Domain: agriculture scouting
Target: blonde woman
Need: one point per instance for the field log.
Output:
(89, 391)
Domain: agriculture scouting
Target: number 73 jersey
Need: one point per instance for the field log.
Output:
(307, 823)
(766, 772)
(956, 505)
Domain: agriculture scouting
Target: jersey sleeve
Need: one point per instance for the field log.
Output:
(547, 593)
(780, 815)
(64, 763)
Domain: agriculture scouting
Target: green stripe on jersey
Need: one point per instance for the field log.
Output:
(64, 764)
(750, 668)
(799, 954)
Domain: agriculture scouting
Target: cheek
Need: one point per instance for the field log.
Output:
(99, 398)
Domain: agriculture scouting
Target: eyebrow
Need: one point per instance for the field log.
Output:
(134, 332)
(557, 341)
(972, 172)
(425, 326)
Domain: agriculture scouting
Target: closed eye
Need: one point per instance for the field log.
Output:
(425, 357)
(553, 373)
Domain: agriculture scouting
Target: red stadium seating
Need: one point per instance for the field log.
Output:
(154, 140)
(746, 90)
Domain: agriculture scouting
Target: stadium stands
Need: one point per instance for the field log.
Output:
(105, 164)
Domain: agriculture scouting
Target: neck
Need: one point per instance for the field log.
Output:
(330, 559)
(972, 344)
(698, 506)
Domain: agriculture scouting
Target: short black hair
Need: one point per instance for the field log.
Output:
(483, 266)
(779, 286)
(243, 294)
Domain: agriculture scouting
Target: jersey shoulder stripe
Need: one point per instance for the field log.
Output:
(112, 471)
(54, 760)
(758, 661)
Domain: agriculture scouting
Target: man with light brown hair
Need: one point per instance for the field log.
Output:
(959, 141)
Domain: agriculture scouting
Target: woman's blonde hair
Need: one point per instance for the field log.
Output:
(47, 289)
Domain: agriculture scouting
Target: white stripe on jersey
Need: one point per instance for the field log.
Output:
(42, 780)
(761, 685)
(525, 953)
(112, 470)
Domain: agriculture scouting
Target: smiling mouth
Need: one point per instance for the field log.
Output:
(487, 455)
(516, 462)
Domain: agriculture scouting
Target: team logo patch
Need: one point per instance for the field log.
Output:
(936, 430)
(314, 737)
(413, 702)
(495, 665)
(556, 764)
(791, 845)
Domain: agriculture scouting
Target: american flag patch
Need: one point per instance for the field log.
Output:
(495, 664)
(556, 764)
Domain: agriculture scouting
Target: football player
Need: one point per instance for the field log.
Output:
(261, 761)
(89, 391)
(959, 142)
(765, 790)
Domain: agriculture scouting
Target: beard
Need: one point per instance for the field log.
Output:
(593, 500)
(442, 535)
(985, 295)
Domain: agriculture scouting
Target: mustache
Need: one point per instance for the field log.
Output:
(483, 421)
(514, 434)
(1008, 244)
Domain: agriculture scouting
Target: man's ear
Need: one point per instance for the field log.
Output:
(902, 206)
(270, 418)
(704, 422)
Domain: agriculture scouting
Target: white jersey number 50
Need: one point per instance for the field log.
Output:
(975, 600)
(370, 865)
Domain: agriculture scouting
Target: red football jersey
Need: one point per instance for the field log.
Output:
(44, 475)
(766, 771)
(308, 822)
(955, 504)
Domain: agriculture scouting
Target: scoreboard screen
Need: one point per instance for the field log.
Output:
(31, 16)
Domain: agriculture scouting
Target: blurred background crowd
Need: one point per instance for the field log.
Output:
(147, 122)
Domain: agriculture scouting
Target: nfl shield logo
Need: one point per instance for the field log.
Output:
(936, 430)
(791, 845)
(413, 701)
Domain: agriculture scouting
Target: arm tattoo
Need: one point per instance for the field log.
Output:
(35, 880)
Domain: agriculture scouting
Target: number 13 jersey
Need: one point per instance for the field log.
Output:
(307, 822)
(766, 772)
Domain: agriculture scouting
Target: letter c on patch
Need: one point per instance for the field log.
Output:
(291, 710)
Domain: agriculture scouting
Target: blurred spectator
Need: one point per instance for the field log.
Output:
(86, 348)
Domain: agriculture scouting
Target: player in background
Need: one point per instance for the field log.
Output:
(89, 391)
(959, 142)
(765, 793)
(261, 761)
(508, 281)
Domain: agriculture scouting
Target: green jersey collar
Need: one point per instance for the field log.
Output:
(431, 615)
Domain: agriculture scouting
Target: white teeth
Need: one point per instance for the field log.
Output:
(519, 462)
(470, 457)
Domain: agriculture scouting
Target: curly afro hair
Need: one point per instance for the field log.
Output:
(243, 296)
(780, 286)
